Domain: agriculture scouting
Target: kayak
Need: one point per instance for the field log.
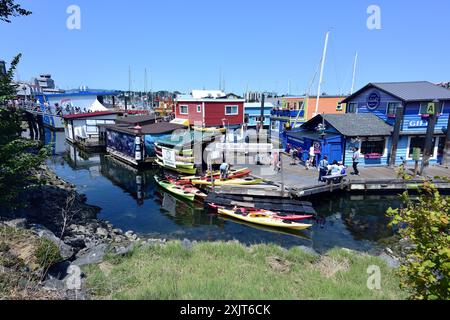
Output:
(184, 152)
(179, 164)
(264, 220)
(188, 188)
(210, 130)
(181, 170)
(177, 190)
(238, 181)
(233, 174)
(178, 158)
(276, 215)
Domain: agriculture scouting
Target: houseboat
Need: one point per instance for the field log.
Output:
(418, 100)
(372, 113)
(291, 112)
(209, 109)
(133, 143)
(55, 106)
(253, 114)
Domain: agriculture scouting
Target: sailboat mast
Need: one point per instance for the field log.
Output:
(321, 72)
(354, 73)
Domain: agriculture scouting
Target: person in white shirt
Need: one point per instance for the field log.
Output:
(312, 155)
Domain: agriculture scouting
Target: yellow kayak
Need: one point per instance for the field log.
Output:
(178, 169)
(210, 130)
(219, 182)
(265, 220)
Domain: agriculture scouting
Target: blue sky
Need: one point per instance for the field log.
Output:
(260, 45)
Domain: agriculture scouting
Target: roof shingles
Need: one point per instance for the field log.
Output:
(355, 124)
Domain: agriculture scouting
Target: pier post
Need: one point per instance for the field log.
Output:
(428, 150)
(446, 158)
(396, 134)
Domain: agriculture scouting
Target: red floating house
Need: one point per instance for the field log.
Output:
(206, 108)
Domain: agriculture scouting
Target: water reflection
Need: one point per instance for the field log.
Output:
(131, 200)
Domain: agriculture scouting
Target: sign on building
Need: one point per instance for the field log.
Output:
(431, 107)
(169, 158)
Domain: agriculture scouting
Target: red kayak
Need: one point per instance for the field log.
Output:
(276, 215)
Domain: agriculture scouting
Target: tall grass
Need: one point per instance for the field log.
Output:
(232, 271)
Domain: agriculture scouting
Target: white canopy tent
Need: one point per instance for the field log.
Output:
(97, 106)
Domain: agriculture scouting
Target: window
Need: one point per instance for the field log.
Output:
(392, 108)
(199, 108)
(231, 110)
(339, 106)
(184, 110)
(351, 108)
(274, 125)
(373, 146)
(419, 142)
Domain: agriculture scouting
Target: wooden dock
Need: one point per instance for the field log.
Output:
(296, 181)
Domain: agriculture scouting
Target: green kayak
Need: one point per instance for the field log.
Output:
(179, 191)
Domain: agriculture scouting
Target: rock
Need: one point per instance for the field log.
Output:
(389, 251)
(16, 223)
(117, 231)
(66, 251)
(54, 285)
(92, 256)
(102, 232)
(187, 244)
(121, 251)
(59, 270)
(117, 239)
(129, 233)
(390, 261)
(308, 250)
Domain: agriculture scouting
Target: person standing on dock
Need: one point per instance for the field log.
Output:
(355, 158)
(224, 167)
(323, 168)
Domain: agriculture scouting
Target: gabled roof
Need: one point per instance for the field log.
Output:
(89, 114)
(353, 124)
(138, 119)
(153, 128)
(408, 91)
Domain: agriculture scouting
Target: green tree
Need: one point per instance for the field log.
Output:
(8, 9)
(18, 156)
(424, 222)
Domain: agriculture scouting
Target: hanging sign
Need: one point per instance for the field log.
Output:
(169, 158)
(431, 107)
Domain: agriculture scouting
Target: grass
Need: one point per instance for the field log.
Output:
(217, 270)
(23, 260)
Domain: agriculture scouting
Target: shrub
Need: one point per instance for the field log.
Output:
(47, 253)
(425, 270)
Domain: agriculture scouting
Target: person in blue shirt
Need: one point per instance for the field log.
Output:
(224, 167)
(323, 168)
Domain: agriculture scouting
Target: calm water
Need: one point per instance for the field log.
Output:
(131, 201)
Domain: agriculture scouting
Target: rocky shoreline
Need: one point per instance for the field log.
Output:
(57, 212)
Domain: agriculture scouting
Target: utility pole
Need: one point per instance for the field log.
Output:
(446, 159)
(428, 150)
(396, 133)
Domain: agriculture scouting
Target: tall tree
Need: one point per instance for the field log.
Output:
(8, 9)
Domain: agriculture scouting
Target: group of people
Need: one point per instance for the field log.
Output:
(327, 169)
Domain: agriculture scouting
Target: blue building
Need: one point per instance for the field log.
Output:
(383, 99)
(253, 113)
(342, 133)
